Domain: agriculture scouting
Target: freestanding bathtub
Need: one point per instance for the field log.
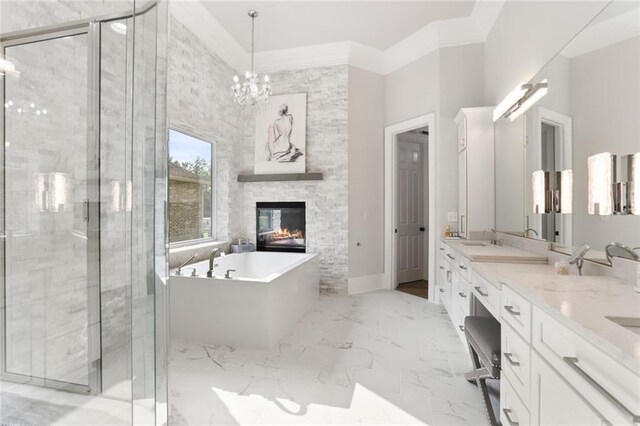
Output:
(268, 293)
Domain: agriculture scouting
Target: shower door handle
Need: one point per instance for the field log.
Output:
(85, 210)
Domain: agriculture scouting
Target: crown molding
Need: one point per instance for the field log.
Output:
(485, 13)
(439, 34)
(603, 34)
(199, 21)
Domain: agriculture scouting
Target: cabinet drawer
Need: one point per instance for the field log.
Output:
(513, 411)
(486, 293)
(516, 311)
(516, 362)
(461, 295)
(611, 388)
(463, 265)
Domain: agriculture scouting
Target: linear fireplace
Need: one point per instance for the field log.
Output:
(280, 226)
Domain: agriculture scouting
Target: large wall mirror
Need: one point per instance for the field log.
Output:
(591, 106)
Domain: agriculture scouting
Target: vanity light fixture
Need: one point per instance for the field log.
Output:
(538, 92)
(566, 191)
(510, 101)
(552, 191)
(250, 91)
(600, 181)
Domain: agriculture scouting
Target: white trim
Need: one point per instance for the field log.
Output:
(390, 142)
(200, 22)
(486, 13)
(366, 283)
(438, 34)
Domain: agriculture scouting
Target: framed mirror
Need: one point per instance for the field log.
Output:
(592, 106)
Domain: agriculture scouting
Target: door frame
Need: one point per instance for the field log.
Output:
(390, 182)
(564, 138)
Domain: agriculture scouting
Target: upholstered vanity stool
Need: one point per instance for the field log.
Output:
(483, 336)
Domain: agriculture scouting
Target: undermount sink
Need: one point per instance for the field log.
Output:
(474, 243)
(630, 323)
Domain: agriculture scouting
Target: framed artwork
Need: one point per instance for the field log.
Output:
(280, 135)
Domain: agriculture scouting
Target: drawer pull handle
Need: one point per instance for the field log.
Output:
(441, 290)
(507, 415)
(573, 363)
(442, 267)
(461, 294)
(479, 290)
(509, 357)
(441, 248)
(450, 256)
(512, 311)
(461, 327)
(464, 268)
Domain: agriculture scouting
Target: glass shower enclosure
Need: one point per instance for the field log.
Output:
(83, 177)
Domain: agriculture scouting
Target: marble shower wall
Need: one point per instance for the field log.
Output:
(326, 152)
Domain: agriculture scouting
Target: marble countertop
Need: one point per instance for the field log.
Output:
(579, 302)
(494, 253)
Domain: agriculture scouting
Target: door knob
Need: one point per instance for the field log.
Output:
(422, 228)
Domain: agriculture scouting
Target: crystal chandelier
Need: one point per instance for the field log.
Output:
(251, 92)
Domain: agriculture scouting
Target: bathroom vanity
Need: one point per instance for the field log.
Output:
(570, 345)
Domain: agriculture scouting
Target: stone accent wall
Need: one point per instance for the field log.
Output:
(327, 152)
(200, 103)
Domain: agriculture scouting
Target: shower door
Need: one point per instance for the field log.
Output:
(50, 259)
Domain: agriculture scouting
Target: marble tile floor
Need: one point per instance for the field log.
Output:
(378, 358)
(24, 405)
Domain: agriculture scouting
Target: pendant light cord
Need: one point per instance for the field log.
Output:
(253, 23)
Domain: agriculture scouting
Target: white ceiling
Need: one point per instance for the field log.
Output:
(290, 24)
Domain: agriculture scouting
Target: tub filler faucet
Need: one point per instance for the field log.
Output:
(186, 262)
(216, 252)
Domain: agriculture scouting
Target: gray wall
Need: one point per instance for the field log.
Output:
(366, 179)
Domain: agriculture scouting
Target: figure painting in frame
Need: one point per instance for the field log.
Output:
(280, 135)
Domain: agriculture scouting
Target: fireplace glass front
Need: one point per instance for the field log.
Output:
(280, 226)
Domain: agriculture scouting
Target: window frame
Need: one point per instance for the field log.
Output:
(214, 176)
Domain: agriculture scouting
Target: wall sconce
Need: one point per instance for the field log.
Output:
(612, 184)
(600, 176)
(552, 191)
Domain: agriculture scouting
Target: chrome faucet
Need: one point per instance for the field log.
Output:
(179, 270)
(577, 257)
(526, 232)
(494, 240)
(216, 252)
(620, 250)
(228, 274)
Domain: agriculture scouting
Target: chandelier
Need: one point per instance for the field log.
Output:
(251, 91)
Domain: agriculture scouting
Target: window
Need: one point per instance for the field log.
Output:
(190, 187)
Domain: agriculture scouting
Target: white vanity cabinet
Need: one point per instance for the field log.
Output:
(555, 402)
(476, 193)
(454, 287)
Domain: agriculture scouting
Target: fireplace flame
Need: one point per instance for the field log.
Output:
(283, 234)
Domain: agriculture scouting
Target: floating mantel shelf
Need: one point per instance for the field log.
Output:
(280, 177)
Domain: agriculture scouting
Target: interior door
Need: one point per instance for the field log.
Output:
(409, 212)
(49, 286)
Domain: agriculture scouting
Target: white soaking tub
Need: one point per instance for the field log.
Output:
(268, 293)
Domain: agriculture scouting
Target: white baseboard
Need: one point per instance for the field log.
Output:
(366, 283)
